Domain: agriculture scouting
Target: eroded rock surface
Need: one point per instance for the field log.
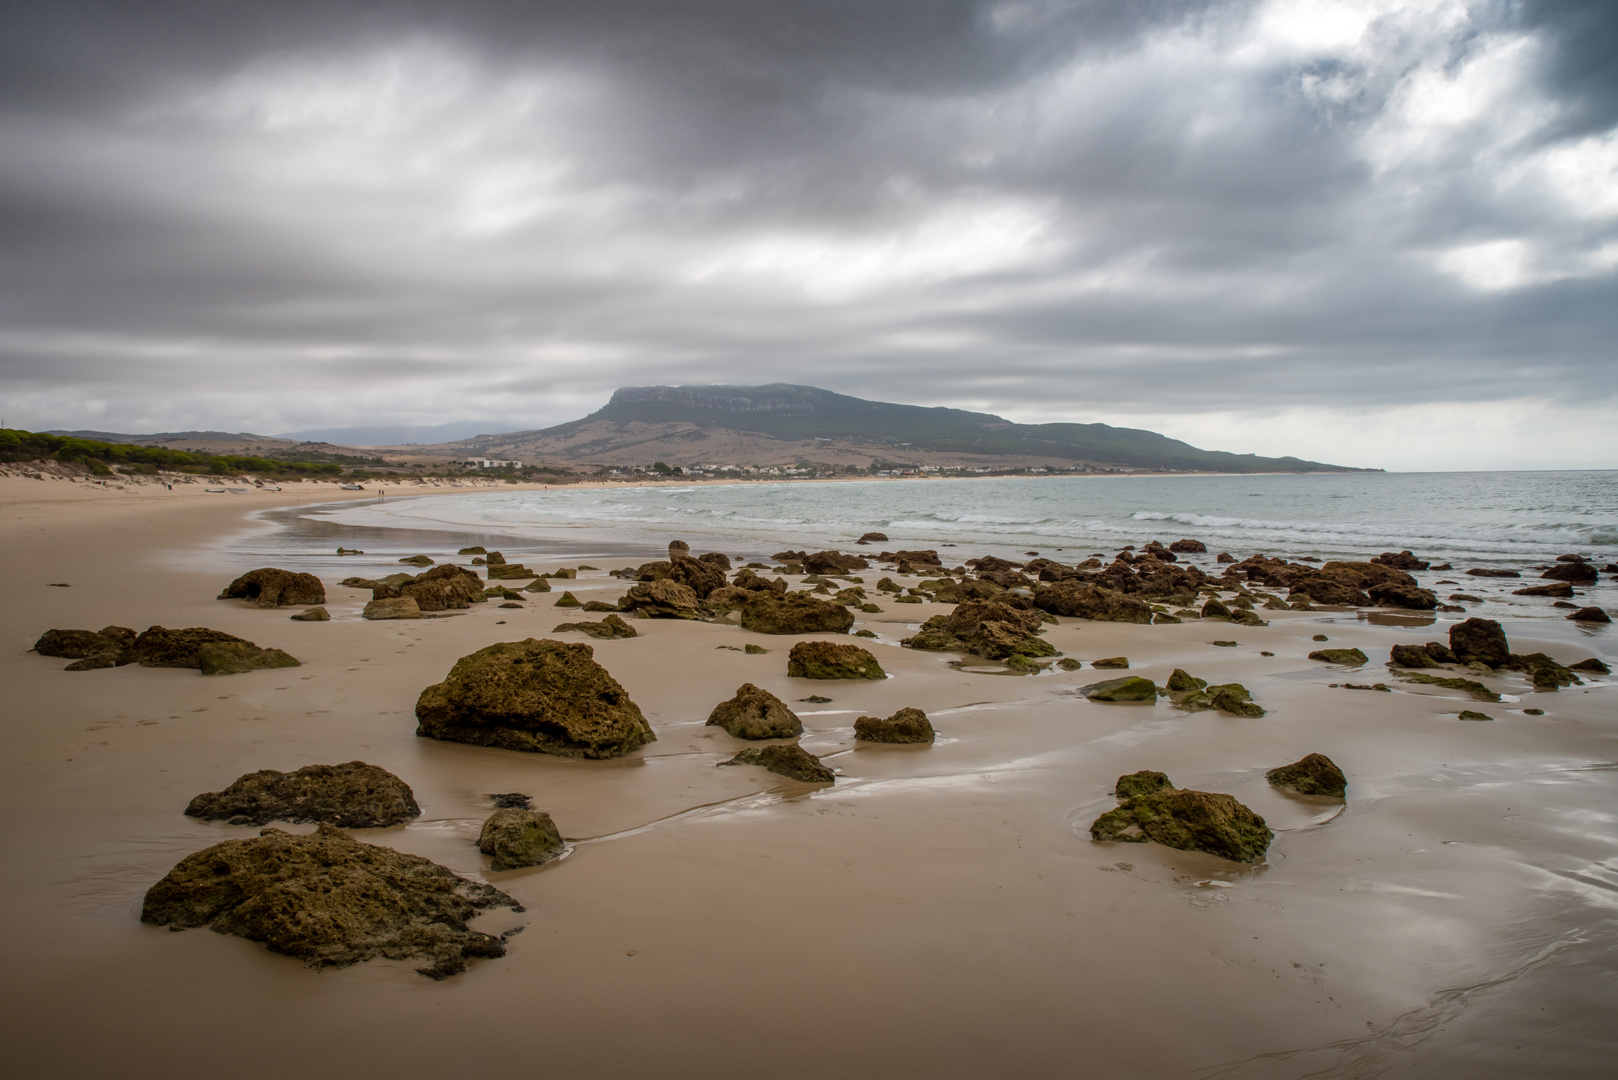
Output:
(269, 587)
(517, 837)
(793, 613)
(756, 714)
(330, 901)
(158, 646)
(1481, 640)
(1153, 809)
(661, 599)
(1128, 688)
(1083, 601)
(786, 759)
(1345, 657)
(984, 627)
(908, 725)
(609, 628)
(541, 696)
(353, 795)
(832, 660)
(1313, 774)
(237, 657)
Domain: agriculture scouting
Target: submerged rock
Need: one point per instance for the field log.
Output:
(1577, 573)
(1593, 665)
(905, 726)
(1153, 809)
(269, 587)
(609, 628)
(832, 660)
(236, 657)
(353, 795)
(1345, 657)
(793, 613)
(756, 714)
(1128, 688)
(330, 901)
(786, 759)
(515, 837)
(1480, 640)
(1590, 615)
(1313, 774)
(541, 696)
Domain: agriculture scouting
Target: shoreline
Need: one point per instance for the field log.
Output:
(943, 907)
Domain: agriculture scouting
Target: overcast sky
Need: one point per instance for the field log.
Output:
(1369, 232)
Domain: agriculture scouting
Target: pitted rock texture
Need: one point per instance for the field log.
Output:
(269, 587)
(756, 714)
(353, 795)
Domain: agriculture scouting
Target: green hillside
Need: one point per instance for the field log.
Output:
(787, 412)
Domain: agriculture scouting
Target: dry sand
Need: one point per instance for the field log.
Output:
(938, 912)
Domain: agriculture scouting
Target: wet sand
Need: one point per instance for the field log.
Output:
(938, 911)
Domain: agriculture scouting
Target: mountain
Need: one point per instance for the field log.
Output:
(398, 434)
(782, 423)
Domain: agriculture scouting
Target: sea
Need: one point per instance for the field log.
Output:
(1497, 520)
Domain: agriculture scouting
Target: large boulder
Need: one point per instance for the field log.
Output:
(542, 696)
(236, 657)
(399, 607)
(786, 759)
(612, 627)
(1128, 688)
(984, 627)
(1575, 573)
(353, 795)
(700, 577)
(515, 837)
(833, 562)
(330, 901)
(159, 646)
(1481, 640)
(1083, 601)
(794, 613)
(109, 641)
(908, 725)
(1313, 774)
(756, 714)
(1394, 594)
(832, 660)
(662, 599)
(269, 587)
(1187, 820)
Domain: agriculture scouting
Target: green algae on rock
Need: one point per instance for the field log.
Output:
(832, 660)
(1232, 698)
(330, 901)
(517, 837)
(1345, 657)
(1469, 714)
(1111, 662)
(1476, 689)
(540, 696)
(1312, 774)
(767, 612)
(607, 629)
(270, 587)
(986, 628)
(353, 795)
(1180, 682)
(236, 657)
(753, 713)
(786, 759)
(1128, 688)
(908, 725)
(1153, 809)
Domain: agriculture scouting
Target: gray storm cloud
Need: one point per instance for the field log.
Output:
(1278, 225)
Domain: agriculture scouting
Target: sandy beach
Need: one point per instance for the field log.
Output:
(938, 911)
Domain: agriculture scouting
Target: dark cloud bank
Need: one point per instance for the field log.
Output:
(1373, 231)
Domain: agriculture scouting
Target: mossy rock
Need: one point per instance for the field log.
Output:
(538, 585)
(330, 901)
(608, 629)
(417, 560)
(398, 607)
(500, 592)
(353, 795)
(1180, 682)
(1312, 774)
(1145, 782)
(1128, 688)
(1345, 657)
(793, 613)
(541, 696)
(1111, 662)
(786, 759)
(754, 713)
(870, 609)
(314, 614)
(1470, 686)
(1189, 821)
(1067, 663)
(1244, 617)
(158, 646)
(908, 725)
(865, 633)
(832, 660)
(476, 550)
(755, 650)
(236, 657)
(1468, 714)
(567, 599)
(1231, 698)
(516, 837)
(269, 587)
(908, 599)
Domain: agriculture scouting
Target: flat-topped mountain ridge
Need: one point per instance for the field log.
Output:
(782, 422)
